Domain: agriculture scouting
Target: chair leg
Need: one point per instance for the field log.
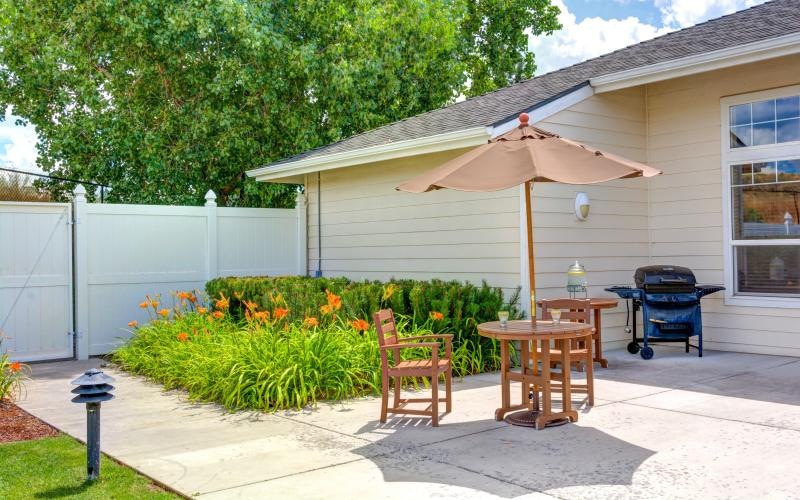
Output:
(398, 383)
(590, 376)
(435, 399)
(384, 397)
(448, 379)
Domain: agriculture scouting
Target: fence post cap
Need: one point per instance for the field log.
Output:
(211, 198)
(79, 191)
(300, 199)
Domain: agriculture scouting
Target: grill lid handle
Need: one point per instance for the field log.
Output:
(673, 280)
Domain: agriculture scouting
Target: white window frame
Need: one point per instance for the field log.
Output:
(732, 156)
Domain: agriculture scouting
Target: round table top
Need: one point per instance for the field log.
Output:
(596, 302)
(523, 329)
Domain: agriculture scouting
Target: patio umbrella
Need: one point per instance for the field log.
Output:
(527, 154)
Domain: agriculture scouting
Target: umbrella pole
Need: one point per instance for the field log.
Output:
(532, 392)
(529, 221)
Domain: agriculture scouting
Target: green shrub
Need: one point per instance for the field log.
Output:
(269, 364)
(462, 305)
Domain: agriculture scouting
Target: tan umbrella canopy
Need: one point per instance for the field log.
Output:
(527, 154)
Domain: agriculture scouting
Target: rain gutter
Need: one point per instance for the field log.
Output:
(699, 63)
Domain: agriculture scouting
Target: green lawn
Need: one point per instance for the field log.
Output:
(56, 468)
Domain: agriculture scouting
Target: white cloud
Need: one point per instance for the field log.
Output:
(17, 145)
(591, 37)
(683, 13)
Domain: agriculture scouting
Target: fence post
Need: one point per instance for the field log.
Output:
(80, 270)
(211, 246)
(301, 207)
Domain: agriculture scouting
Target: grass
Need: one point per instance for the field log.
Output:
(56, 468)
(268, 365)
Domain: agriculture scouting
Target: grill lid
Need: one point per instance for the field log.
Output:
(665, 279)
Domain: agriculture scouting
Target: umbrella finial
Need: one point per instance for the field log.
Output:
(523, 119)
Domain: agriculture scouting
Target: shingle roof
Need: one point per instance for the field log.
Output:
(768, 20)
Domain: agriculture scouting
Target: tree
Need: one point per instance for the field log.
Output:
(165, 100)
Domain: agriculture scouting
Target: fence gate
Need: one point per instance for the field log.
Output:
(36, 280)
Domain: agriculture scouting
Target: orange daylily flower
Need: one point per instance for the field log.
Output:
(261, 315)
(437, 316)
(334, 301)
(202, 310)
(164, 312)
(311, 321)
(144, 304)
(360, 325)
(15, 366)
(326, 309)
(133, 324)
(184, 295)
(280, 312)
(222, 302)
(250, 305)
(218, 314)
(183, 336)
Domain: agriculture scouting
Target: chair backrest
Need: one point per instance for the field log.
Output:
(571, 309)
(385, 327)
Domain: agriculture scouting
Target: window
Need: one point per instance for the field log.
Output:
(761, 162)
(765, 122)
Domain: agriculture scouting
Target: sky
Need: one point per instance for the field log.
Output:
(590, 28)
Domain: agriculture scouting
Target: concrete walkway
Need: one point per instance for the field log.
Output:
(724, 426)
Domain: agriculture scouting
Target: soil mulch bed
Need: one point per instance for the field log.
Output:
(19, 425)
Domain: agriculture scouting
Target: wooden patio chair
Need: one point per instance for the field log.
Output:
(580, 353)
(433, 368)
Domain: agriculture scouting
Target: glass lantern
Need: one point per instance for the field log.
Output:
(576, 281)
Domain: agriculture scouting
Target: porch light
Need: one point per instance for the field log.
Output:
(582, 205)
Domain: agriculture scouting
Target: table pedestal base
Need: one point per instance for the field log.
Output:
(534, 418)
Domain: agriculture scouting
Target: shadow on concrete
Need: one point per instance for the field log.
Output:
(502, 460)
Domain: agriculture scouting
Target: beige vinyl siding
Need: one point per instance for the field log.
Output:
(686, 226)
(613, 241)
(372, 231)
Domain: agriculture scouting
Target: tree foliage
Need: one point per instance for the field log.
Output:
(165, 100)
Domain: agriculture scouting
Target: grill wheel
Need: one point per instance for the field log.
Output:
(633, 347)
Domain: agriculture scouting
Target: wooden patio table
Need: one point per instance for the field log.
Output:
(597, 304)
(541, 333)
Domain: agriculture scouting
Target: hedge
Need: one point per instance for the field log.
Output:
(462, 305)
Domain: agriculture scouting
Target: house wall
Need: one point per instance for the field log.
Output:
(613, 241)
(372, 231)
(686, 226)
(369, 230)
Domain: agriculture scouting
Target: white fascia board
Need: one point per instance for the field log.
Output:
(544, 111)
(432, 144)
(708, 61)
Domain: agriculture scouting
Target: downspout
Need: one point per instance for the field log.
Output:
(318, 272)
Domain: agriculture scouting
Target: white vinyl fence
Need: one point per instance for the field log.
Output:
(122, 253)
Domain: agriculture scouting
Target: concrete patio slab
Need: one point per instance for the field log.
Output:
(387, 477)
(678, 426)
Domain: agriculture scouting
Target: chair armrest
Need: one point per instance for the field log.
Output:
(432, 345)
(446, 336)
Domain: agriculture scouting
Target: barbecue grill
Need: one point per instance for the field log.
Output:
(669, 298)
